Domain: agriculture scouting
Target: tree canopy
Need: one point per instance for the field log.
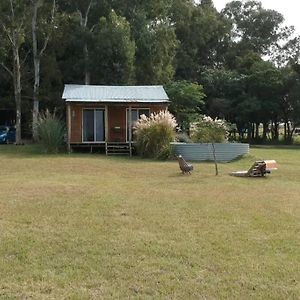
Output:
(241, 64)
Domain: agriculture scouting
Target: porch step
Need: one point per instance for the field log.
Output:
(118, 149)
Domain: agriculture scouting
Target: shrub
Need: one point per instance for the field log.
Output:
(51, 132)
(154, 134)
(208, 130)
(182, 137)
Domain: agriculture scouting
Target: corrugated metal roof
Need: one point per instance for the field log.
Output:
(101, 93)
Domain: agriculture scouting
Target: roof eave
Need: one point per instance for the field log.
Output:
(118, 101)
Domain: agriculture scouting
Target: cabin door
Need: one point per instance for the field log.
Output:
(93, 125)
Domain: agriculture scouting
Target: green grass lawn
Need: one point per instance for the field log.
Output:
(93, 227)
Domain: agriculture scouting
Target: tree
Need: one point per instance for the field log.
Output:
(83, 10)
(208, 130)
(254, 28)
(113, 51)
(202, 33)
(265, 82)
(154, 37)
(288, 52)
(186, 101)
(221, 87)
(86, 15)
(155, 58)
(290, 105)
(13, 24)
(41, 30)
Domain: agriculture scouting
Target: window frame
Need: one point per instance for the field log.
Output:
(127, 113)
(94, 109)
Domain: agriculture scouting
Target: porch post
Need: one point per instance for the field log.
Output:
(106, 123)
(106, 127)
(130, 128)
(69, 122)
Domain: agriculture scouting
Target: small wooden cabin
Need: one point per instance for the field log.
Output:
(104, 116)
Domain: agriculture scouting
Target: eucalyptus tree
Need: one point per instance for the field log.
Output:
(85, 14)
(287, 52)
(155, 54)
(113, 51)
(83, 9)
(42, 26)
(255, 29)
(203, 37)
(13, 18)
(154, 36)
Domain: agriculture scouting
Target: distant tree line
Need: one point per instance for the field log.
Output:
(241, 64)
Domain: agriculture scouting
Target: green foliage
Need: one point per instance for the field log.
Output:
(124, 42)
(113, 51)
(182, 137)
(51, 132)
(254, 27)
(208, 130)
(203, 36)
(156, 50)
(155, 38)
(222, 87)
(186, 101)
(154, 135)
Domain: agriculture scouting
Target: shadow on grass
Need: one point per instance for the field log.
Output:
(275, 147)
(24, 151)
(36, 150)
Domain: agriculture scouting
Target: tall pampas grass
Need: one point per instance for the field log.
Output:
(51, 131)
(154, 135)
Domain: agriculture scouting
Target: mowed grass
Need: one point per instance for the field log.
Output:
(93, 227)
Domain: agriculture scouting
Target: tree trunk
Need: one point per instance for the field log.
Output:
(36, 62)
(289, 137)
(285, 131)
(276, 131)
(37, 55)
(265, 131)
(249, 131)
(36, 92)
(215, 159)
(17, 92)
(257, 130)
(87, 74)
(35, 115)
(84, 24)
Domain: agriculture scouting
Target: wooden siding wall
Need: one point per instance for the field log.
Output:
(116, 118)
(76, 121)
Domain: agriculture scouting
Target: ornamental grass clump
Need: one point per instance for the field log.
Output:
(154, 135)
(51, 131)
(209, 130)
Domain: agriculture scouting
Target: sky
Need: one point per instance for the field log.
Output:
(288, 8)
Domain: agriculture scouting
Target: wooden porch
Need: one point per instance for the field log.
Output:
(109, 148)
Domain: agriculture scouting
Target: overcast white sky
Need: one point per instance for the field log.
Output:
(289, 8)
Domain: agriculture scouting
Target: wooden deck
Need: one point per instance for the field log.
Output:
(109, 148)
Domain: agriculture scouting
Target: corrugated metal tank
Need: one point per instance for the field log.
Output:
(225, 152)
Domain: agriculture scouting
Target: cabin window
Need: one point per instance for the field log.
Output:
(93, 125)
(135, 115)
